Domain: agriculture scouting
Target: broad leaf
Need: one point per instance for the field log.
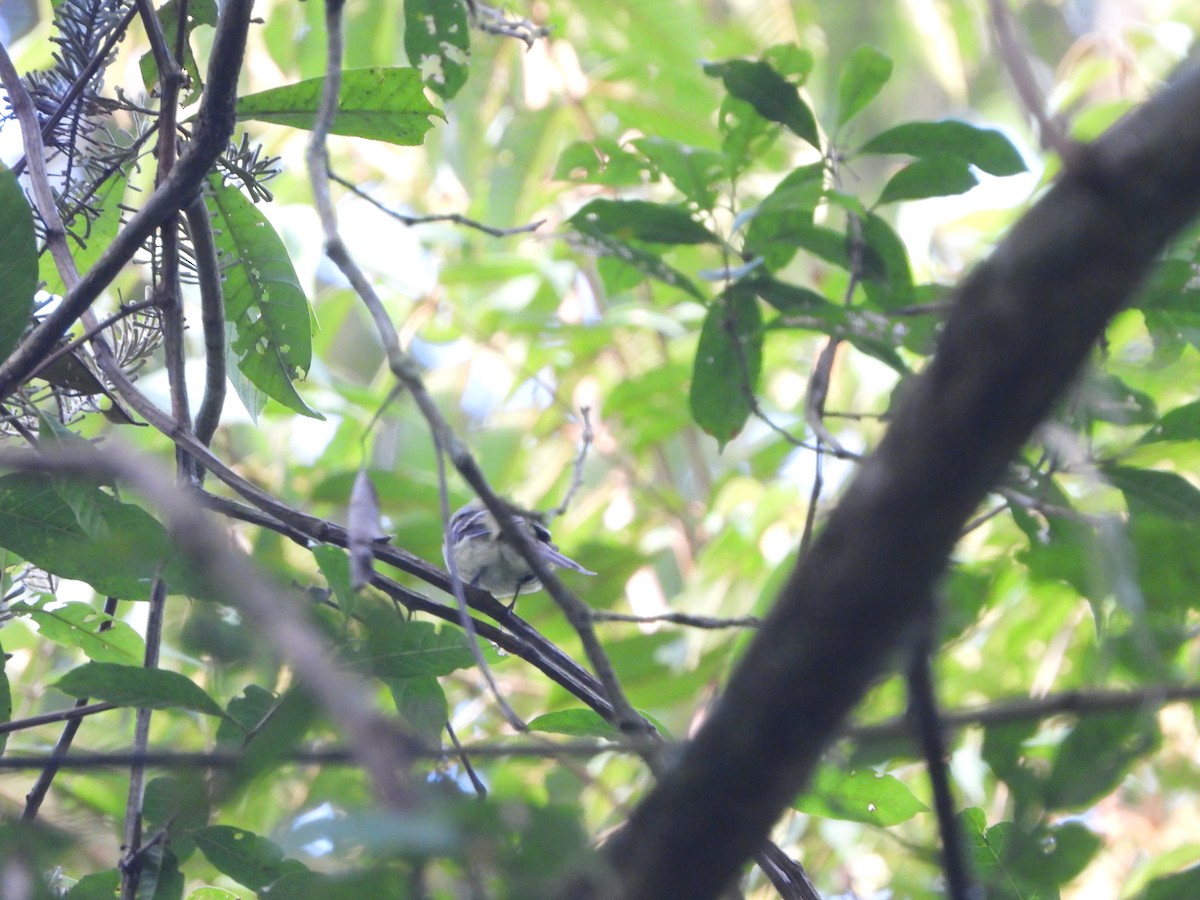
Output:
(864, 74)
(939, 175)
(985, 148)
(267, 315)
(437, 39)
(384, 104)
(582, 723)
(421, 703)
(247, 858)
(859, 796)
(18, 262)
(77, 626)
(640, 220)
(398, 648)
(772, 96)
(692, 170)
(635, 259)
(137, 687)
(727, 366)
(85, 534)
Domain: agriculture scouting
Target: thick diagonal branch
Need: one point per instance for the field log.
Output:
(1024, 322)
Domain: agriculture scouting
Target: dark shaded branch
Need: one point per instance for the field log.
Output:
(214, 125)
(1024, 322)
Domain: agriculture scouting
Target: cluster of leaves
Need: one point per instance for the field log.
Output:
(721, 254)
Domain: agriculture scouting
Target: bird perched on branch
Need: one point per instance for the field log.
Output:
(484, 559)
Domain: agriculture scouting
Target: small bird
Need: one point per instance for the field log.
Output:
(484, 559)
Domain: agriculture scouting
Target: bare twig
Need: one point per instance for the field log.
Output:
(454, 218)
(62, 715)
(585, 443)
(926, 722)
(679, 619)
(1030, 94)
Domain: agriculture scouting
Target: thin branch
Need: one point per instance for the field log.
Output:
(215, 123)
(1025, 82)
(455, 218)
(132, 844)
(678, 619)
(81, 82)
(1026, 709)
(62, 715)
(585, 443)
(33, 800)
(407, 373)
(927, 723)
(212, 317)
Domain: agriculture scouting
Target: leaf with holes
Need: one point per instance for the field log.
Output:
(437, 39)
(267, 316)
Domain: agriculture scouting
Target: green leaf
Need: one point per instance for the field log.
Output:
(985, 148)
(18, 262)
(786, 211)
(99, 234)
(97, 886)
(793, 300)
(603, 161)
(931, 176)
(199, 12)
(728, 363)
(1158, 493)
(745, 135)
(1179, 424)
(77, 626)
(885, 265)
(212, 893)
(864, 74)
(85, 534)
(267, 314)
(6, 706)
(1095, 756)
(582, 723)
(859, 796)
(335, 566)
(772, 96)
(421, 703)
(636, 259)
(1183, 885)
(692, 170)
(437, 39)
(398, 648)
(265, 728)
(383, 104)
(247, 858)
(640, 220)
(137, 687)
(180, 803)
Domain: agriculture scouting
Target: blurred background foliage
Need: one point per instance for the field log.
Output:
(1079, 576)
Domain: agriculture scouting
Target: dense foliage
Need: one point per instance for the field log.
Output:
(672, 262)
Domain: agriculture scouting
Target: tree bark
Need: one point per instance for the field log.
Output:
(1023, 323)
